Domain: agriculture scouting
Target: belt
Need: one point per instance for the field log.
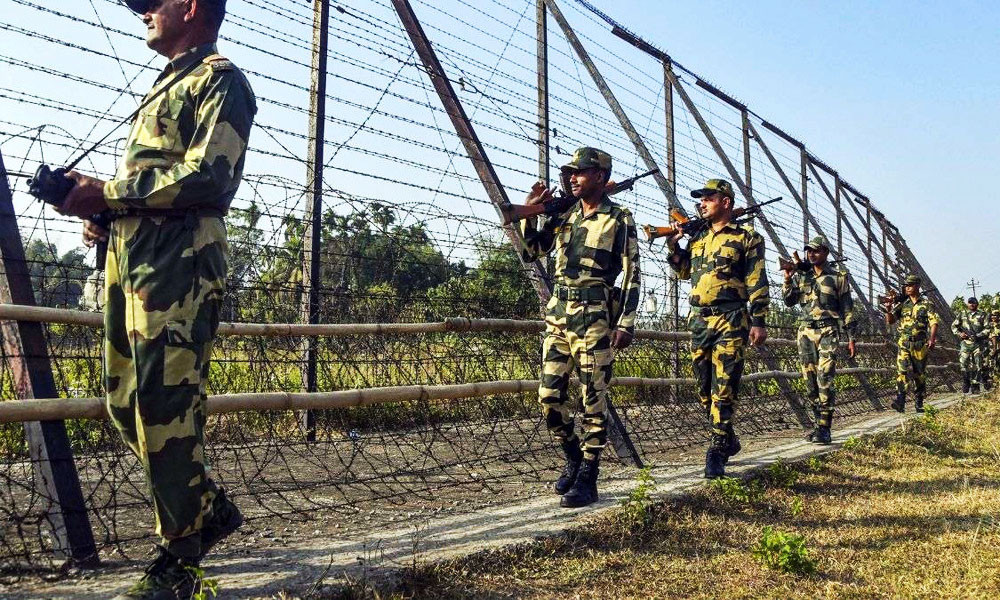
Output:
(581, 294)
(170, 213)
(818, 323)
(718, 309)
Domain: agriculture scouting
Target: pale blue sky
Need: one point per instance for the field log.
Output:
(903, 98)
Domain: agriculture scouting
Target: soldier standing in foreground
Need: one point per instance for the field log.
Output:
(992, 360)
(824, 294)
(973, 330)
(725, 263)
(918, 325)
(166, 275)
(586, 319)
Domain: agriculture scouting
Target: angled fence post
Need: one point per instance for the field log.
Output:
(542, 51)
(55, 476)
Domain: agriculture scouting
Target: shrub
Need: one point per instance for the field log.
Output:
(736, 490)
(635, 506)
(783, 551)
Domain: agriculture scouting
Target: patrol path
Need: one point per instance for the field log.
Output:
(255, 572)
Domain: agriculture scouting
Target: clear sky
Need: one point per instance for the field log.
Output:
(903, 98)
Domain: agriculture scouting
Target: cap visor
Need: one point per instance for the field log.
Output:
(702, 192)
(138, 6)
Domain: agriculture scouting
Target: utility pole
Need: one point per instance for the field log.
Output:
(972, 285)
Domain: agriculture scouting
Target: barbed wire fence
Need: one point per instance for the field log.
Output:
(413, 392)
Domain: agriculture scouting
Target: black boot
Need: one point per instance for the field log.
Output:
(966, 387)
(733, 445)
(167, 578)
(584, 490)
(974, 388)
(919, 404)
(821, 434)
(225, 519)
(573, 457)
(899, 404)
(715, 458)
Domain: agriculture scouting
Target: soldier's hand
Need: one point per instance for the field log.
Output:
(85, 198)
(92, 234)
(539, 193)
(851, 349)
(621, 339)
(758, 335)
(931, 343)
(963, 335)
(675, 239)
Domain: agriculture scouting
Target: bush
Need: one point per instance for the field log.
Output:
(635, 506)
(785, 552)
(736, 490)
(782, 475)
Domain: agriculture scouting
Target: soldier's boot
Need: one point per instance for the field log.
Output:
(168, 577)
(733, 445)
(226, 518)
(821, 434)
(715, 457)
(965, 383)
(584, 489)
(899, 404)
(974, 387)
(574, 455)
(919, 404)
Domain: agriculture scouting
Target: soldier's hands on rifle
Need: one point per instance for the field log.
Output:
(85, 198)
(539, 193)
(758, 335)
(93, 233)
(621, 339)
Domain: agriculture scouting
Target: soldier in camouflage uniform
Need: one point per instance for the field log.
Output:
(166, 274)
(725, 263)
(971, 327)
(918, 325)
(587, 318)
(824, 294)
(992, 350)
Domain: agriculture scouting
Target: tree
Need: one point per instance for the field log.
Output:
(57, 281)
(497, 287)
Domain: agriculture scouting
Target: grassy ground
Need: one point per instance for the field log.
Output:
(910, 514)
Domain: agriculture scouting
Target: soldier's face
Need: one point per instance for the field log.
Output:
(817, 256)
(973, 306)
(586, 182)
(911, 288)
(165, 22)
(712, 206)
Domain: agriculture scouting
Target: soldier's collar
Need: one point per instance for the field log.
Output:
(188, 57)
(603, 208)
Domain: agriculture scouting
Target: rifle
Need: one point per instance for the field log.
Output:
(562, 200)
(696, 225)
(796, 263)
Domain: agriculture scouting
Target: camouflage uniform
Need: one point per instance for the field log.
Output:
(827, 308)
(915, 321)
(992, 361)
(166, 274)
(591, 251)
(971, 350)
(726, 270)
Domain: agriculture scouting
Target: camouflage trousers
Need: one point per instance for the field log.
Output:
(818, 355)
(165, 282)
(970, 360)
(577, 337)
(911, 366)
(718, 350)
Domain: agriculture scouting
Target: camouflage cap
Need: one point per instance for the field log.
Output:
(972, 300)
(713, 186)
(818, 242)
(912, 280)
(588, 158)
(142, 6)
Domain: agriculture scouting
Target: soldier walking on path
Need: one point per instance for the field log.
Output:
(587, 318)
(991, 362)
(918, 325)
(166, 275)
(973, 330)
(824, 294)
(725, 263)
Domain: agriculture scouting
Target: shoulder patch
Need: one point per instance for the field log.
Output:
(219, 63)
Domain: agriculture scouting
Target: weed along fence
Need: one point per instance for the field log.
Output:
(413, 418)
(380, 351)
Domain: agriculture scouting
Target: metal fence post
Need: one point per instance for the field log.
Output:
(26, 348)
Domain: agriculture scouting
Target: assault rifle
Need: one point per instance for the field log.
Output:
(894, 297)
(694, 226)
(796, 263)
(562, 200)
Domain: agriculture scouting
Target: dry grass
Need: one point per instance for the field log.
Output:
(910, 514)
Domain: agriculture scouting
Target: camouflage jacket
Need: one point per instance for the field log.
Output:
(974, 324)
(186, 149)
(915, 320)
(726, 268)
(590, 251)
(826, 296)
